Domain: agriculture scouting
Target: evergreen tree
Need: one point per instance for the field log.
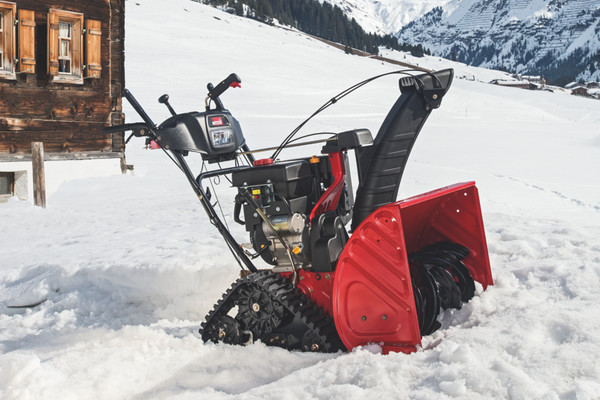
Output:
(323, 20)
(239, 8)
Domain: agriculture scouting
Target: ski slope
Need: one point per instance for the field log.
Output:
(129, 265)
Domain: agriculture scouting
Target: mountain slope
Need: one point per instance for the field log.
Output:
(557, 38)
(386, 16)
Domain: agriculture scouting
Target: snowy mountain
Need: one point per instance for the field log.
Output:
(129, 265)
(557, 38)
(386, 16)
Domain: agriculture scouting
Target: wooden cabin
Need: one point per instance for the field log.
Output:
(580, 91)
(525, 84)
(61, 77)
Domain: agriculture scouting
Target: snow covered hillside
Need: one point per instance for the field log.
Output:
(130, 265)
(386, 16)
(557, 38)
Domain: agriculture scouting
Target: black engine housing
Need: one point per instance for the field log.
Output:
(287, 192)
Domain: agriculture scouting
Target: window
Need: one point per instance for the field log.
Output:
(8, 11)
(1, 37)
(65, 46)
(7, 184)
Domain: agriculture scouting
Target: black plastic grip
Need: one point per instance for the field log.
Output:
(223, 86)
(237, 209)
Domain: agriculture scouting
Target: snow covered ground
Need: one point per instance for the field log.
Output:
(129, 265)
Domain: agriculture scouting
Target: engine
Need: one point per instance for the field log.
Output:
(284, 212)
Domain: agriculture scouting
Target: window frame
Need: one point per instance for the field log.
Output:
(8, 12)
(76, 21)
(1, 39)
(11, 184)
(65, 39)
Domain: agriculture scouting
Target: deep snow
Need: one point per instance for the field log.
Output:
(130, 264)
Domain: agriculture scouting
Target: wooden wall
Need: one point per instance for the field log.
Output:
(67, 118)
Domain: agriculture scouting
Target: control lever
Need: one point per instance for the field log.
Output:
(164, 99)
(214, 92)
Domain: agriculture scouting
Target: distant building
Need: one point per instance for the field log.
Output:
(572, 85)
(592, 85)
(580, 91)
(595, 93)
(533, 78)
(516, 84)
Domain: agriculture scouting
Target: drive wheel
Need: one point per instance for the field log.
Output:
(258, 311)
(224, 329)
(312, 342)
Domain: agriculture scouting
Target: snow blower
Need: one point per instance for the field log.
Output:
(340, 268)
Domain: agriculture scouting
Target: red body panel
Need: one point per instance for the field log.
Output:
(373, 300)
(317, 286)
(451, 213)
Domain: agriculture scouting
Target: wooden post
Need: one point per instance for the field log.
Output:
(39, 177)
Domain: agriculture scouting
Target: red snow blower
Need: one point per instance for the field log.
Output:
(340, 268)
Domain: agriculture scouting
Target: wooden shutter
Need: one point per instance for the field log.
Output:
(93, 40)
(77, 43)
(8, 11)
(27, 41)
(52, 43)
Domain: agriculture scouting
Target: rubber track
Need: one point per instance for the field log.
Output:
(314, 320)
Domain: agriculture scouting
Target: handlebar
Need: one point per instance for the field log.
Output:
(138, 128)
(231, 81)
(148, 127)
(138, 108)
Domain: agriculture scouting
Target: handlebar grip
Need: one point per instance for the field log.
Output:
(231, 80)
(237, 209)
(113, 129)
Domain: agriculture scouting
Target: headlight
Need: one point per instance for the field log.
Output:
(221, 137)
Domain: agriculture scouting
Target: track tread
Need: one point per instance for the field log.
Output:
(318, 329)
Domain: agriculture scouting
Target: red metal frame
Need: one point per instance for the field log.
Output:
(330, 199)
(317, 286)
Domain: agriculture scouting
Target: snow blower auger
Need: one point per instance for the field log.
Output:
(325, 290)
